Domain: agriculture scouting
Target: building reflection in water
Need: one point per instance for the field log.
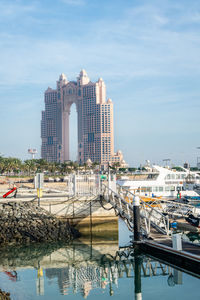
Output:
(104, 272)
(84, 279)
(82, 267)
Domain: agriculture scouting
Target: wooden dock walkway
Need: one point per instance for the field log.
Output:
(167, 241)
(186, 246)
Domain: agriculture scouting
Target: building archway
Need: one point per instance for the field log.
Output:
(73, 134)
(94, 121)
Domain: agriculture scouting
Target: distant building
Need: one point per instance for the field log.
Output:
(95, 121)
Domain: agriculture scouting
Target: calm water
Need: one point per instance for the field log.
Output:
(88, 269)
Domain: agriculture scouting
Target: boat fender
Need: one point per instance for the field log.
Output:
(173, 225)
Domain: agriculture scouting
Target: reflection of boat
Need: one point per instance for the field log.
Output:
(158, 181)
(195, 221)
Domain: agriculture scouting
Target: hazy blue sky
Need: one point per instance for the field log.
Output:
(147, 52)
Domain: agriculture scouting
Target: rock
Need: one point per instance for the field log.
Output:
(4, 295)
(26, 222)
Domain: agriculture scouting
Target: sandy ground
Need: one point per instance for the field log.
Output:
(7, 183)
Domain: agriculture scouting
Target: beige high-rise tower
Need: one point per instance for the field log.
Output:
(95, 121)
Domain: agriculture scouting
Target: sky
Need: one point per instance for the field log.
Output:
(146, 51)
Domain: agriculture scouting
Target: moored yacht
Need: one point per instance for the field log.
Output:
(158, 181)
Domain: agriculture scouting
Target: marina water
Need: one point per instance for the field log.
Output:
(86, 269)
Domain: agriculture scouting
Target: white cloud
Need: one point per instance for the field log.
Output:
(74, 2)
(14, 9)
(161, 20)
(114, 51)
(122, 48)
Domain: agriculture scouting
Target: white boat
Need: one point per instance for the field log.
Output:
(192, 183)
(160, 182)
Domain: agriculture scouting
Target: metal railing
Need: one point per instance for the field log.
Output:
(167, 207)
(82, 185)
(86, 185)
(152, 217)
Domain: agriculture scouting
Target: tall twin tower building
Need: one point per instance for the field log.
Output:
(95, 121)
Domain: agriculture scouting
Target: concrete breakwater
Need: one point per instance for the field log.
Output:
(25, 222)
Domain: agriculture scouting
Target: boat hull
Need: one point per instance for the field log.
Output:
(194, 221)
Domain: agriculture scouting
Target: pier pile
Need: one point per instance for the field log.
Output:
(26, 223)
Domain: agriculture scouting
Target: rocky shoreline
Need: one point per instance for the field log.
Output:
(25, 222)
(4, 295)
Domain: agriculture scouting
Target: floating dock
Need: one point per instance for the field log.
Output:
(188, 259)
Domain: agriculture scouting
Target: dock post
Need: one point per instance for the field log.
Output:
(137, 278)
(136, 218)
(176, 241)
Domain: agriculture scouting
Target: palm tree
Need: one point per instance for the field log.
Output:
(95, 164)
(116, 166)
(30, 166)
(42, 164)
(7, 165)
(16, 164)
(2, 165)
(65, 168)
(54, 167)
(76, 166)
(10, 164)
(71, 164)
(85, 166)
